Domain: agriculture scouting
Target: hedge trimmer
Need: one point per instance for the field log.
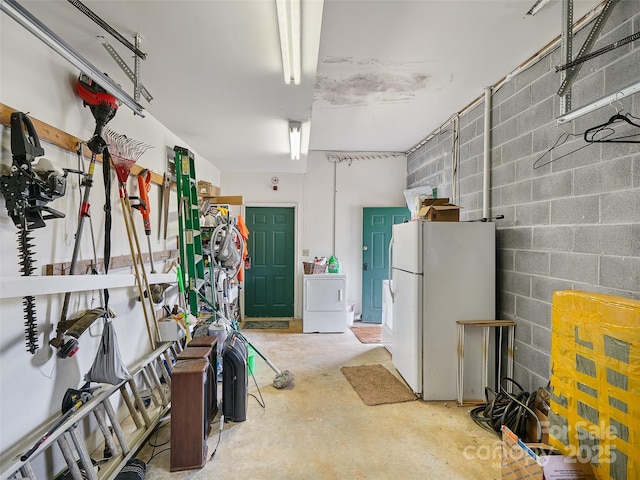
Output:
(27, 190)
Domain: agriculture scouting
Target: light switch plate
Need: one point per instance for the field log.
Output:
(305, 252)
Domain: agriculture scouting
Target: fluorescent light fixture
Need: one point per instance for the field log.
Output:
(289, 26)
(295, 131)
(537, 7)
(39, 30)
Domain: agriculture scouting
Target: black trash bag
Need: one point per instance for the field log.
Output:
(134, 470)
(108, 366)
(67, 475)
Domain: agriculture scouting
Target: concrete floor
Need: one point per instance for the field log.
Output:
(318, 428)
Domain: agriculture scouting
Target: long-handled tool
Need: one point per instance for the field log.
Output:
(103, 106)
(72, 401)
(166, 191)
(143, 205)
(124, 153)
(283, 377)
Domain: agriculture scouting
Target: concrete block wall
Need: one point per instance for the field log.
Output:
(572, 212)
(430, 165)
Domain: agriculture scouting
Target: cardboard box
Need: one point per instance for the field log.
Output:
(427, 202)
(521, 462)
(170, 331)
(227, 200)
(532, 426)
(206, 189)
(440, 213)
(439, 210)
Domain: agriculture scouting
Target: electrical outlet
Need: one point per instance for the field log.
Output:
(305, 252)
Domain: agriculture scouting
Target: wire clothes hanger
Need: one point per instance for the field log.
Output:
(598, 134)
(593, 134)
(562, 139)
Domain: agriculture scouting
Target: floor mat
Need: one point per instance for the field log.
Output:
(266, 324)
(376, 385)
(368, 334)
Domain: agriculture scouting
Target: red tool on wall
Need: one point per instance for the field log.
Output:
(144, 207)
(103, 106)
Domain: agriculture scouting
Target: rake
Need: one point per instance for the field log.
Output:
(124, 153)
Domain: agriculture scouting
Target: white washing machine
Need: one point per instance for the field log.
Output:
(324, 303)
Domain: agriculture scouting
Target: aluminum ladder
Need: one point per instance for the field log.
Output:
(73, 445)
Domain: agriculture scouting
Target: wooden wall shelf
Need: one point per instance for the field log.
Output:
(66, 141)
(83, 267)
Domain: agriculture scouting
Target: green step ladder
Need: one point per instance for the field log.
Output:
(194, 264)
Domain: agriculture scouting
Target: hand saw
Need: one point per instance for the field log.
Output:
(166, 190)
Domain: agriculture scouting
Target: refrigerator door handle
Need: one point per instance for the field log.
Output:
(390, 273)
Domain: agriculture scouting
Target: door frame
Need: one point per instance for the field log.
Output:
(362, 228)
(297, 277)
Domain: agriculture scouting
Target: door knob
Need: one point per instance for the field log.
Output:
(365, 266)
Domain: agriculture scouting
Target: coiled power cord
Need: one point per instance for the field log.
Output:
(504, 408)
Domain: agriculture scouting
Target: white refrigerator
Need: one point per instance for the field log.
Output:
(441, 272)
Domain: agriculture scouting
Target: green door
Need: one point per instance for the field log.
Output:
(270, 280)
(376, 235)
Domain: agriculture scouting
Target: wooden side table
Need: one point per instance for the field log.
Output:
(486, 326)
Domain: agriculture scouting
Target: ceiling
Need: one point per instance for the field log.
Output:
(377, 76)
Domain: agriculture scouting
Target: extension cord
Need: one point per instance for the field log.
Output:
(219, 435)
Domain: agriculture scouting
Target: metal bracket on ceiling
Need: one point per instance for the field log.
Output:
(134, 75)
(34, 26)
(572, 67)
(566, 47)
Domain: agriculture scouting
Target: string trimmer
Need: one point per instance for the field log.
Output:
(103, 107)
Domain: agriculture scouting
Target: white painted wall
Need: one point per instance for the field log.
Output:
(36, 80)
(363, 183)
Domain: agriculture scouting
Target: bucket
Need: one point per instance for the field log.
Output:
(251, 354)
(351, 314)
(146, 397)
(220, 333)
